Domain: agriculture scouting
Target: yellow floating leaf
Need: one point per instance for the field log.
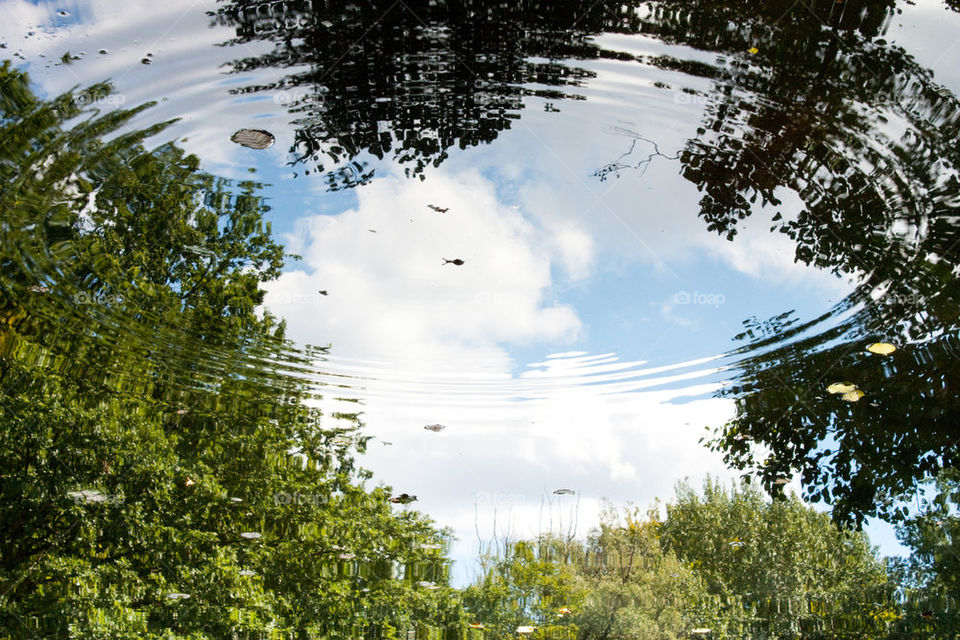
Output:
(881, 348)
(852, 396)
(841, 387)
(753, 50)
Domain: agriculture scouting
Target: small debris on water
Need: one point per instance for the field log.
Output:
(841, 387)
(881, 348)
(200, 251)
(253, 138)
(435, 427)
(403, 498)
(456, 261)
(88, 495)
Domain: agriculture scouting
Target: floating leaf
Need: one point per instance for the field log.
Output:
(435, 427)
(881, 348)
(852, 396)
(841, 387)
(565, 492)
(250, 535)
(753, 50)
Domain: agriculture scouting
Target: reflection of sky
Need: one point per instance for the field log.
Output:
(619, 280)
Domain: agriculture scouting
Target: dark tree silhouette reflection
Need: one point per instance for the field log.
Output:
(413, 80)
(814, 103)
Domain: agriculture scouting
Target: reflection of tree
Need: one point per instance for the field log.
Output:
(826, 110)
(930, 577)
(386, 78)
(154, 451)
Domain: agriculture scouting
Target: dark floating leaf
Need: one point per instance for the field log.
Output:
(456, 261)
(403, 498)
(435, 427)
(253, 138)
(439, 209)
(564, 492)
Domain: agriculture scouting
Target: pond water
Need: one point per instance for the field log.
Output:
(528, 257)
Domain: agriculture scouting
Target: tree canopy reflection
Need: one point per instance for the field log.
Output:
(866, 139)
(160, 476)
(413, 81)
